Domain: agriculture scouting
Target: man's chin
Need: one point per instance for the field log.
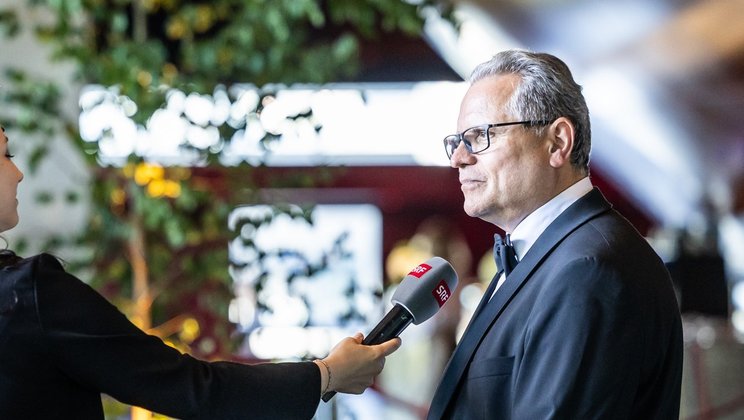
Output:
(472, 210)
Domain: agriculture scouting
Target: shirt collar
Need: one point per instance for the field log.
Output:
(529, 229)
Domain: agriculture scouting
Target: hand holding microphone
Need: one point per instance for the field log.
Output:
(351, 367)
(418, 297)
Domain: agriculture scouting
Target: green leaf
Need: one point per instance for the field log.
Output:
(9, 24)
(72, 197)
(37, 155)
(44, 197)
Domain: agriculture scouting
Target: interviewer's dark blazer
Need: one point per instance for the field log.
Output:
(585, 327)
(62, 344)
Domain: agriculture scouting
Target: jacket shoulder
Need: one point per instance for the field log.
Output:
(18, 281)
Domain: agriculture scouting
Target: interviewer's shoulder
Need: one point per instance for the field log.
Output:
(42, 262)
(49, 260)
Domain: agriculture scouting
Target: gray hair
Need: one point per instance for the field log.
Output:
(546, 92)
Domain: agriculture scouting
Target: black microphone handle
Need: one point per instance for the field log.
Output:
(396, 320)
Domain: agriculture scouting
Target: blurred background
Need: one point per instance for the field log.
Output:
(250, 180)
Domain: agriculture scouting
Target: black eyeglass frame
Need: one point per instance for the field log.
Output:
(456, 139)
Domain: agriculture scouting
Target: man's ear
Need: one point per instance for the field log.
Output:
(561, 141)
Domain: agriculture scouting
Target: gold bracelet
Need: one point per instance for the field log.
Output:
(328, 369)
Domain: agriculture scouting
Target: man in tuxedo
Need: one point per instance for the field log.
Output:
(581, 320)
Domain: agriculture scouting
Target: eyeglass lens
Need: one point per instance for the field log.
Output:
(476, 140)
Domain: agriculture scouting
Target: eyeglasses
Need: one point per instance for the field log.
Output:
(478, 138)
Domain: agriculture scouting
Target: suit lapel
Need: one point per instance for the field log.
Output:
(584, 209)
(488, 292)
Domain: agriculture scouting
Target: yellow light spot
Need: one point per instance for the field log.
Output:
(118, 197)
(204, 19)
(144, 78)
(170, 71)
(176, 29)
(190, 330)
(172, 189)
(145, 173)
(156, 188)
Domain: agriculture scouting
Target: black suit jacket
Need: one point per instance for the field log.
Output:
(62, 344)
(585, 327)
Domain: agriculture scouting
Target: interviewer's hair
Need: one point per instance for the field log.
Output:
(547, 91)
(8, 257)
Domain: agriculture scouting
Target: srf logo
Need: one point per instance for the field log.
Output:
(420, 270)
(441, 292)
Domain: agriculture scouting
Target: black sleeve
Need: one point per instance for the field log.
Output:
(94, 343)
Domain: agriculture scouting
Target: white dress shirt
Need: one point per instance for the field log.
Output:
(529, 229)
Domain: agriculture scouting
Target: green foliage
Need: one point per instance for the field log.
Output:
(9, 25)
(145, 48)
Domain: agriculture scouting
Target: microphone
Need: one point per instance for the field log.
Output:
(418, 297)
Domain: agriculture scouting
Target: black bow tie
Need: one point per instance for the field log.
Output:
(504, 254)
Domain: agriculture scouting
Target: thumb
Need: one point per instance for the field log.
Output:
(358, 337)
(390, 346)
